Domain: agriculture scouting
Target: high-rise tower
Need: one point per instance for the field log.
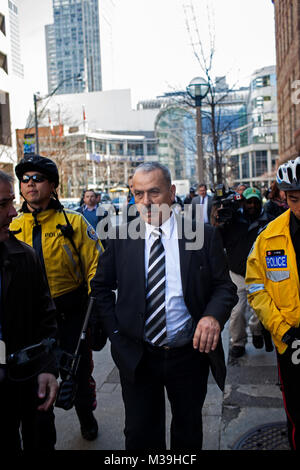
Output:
(73, 47)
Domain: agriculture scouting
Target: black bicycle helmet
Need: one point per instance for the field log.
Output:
(288, 175)
(37, 163)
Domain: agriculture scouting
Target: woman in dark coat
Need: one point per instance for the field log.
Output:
(276, 203)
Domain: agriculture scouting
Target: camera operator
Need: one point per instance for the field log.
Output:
(240, 218)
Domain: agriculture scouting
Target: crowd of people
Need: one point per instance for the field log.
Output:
(160, 300)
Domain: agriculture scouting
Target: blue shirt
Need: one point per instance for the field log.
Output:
(91, 216)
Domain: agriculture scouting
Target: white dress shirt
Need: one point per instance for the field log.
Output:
(205, 203)
(180, 324)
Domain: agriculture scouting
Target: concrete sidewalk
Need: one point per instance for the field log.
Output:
(251, 398)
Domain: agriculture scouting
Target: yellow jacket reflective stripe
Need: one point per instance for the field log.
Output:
(273, 288)
(60, 259)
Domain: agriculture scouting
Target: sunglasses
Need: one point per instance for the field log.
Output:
(34, 178)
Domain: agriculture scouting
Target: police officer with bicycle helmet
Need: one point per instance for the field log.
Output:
(68, 248)
(272, 278)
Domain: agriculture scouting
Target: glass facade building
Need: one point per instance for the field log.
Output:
(255, 154)
(73, 46)
(245, 123)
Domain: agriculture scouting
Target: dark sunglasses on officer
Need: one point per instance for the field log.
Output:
(35, 178)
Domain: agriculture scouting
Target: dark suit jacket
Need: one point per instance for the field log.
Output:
(197, 200)
(28, 313)
(207, 290)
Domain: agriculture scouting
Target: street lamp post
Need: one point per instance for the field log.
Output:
(37, 97)
(198, 89)
(35, 100)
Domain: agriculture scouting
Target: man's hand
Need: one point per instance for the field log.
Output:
(48, 387)
(207, 334)
(215, 217)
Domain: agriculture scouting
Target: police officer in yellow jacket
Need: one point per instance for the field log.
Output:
(272, 279)
(68, 248)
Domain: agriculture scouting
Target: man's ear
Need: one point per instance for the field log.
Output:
(173, 191)
(53, 189)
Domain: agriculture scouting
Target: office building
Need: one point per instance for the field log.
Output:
(246, 132)
(254, 155)
(73, 47)
(287, 29)
(11, 80)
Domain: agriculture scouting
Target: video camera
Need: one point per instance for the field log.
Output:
(227, 202)
(69, 363)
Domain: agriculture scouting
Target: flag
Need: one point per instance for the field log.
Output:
(83, 113)
(61, 127)
(50, 124)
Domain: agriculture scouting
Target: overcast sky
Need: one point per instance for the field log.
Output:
(151, 50)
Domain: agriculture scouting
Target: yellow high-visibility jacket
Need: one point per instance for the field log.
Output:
(272, 280)
(61, 261)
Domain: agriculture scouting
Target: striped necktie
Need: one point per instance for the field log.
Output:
(155, 325)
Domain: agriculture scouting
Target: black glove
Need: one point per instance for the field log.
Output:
(290, 336)
(267, 339)
(96, 336)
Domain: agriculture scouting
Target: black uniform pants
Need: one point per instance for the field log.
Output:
(22, 426)
(71, 310)
(289, 375)
(183, 372)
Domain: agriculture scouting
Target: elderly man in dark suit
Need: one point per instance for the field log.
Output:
(204, 199)
(173, 299)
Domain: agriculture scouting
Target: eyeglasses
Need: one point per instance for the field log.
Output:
(34, 178)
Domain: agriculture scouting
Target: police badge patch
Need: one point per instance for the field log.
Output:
(91, 233)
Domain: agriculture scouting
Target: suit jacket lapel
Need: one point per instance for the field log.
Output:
(136, 258)
(8, 266)
(184, 255)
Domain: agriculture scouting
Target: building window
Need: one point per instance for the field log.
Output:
(244, 138)
(115, 148)
(245, 165)
(151, 149)
(89, 146)
(291, 21)
(12, 7)
(259, 163)
(3, 62)
(2, 24)
(100, 147)
(5, 131)
(135, 149)
(234, 167)
(260, 82)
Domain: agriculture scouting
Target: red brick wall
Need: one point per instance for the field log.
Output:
(287, 30)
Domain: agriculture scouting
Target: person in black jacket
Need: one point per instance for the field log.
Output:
(163, 338)
(27, 317)
(238, 235)
(276, 203)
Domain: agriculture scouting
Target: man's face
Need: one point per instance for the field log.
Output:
(37, 194)
(7, 210)
(151, 191)
(202, 191)
(130, 184)
(89, 198)
(241, 189)
(252, 206)
(293, 200)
